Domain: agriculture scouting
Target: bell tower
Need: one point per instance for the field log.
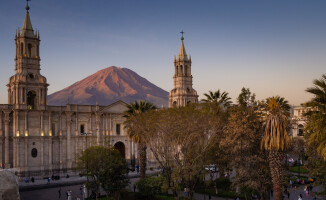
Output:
(27, 88)
(182, 93)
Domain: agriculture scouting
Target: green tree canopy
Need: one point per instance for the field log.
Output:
(106, 167)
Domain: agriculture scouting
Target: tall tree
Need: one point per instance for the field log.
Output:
(317, 115)
(106, 168)
(134, 131)
(179, 139)
(243, 134)
(276, 112)
(315, 130)
(217, 104)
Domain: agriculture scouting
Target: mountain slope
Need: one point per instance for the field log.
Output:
(109, 85)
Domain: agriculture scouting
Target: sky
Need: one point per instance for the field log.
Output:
(272, 47)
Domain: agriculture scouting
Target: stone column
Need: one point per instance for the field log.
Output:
(97, 122)
(26, 124)
(110, 131)
(50, 143)
(7, 120)
(17, 102)
(69, 162)
(60, 123)
(14, 141)
(42, 142)
(26, 154)
(42, 122)
(41, 153)
(76, 131)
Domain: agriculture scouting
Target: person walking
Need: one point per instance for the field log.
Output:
(59, 191)
(300, 197)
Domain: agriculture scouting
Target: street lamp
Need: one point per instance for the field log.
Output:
(86, 159)
(301, 161)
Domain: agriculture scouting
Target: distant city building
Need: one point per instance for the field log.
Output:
(182, 93)
(38, 139)
(298, 121)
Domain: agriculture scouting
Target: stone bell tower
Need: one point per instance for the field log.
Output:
(27, 89)
(182, 93)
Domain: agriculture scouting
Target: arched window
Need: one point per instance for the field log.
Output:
(174, 104)
(34, 153)
(300, 130)
(82, 128)
(176, 70)
(186, 68)
(22, 49)
(181, 69)
(118, 128)
(31, 99)
(29, 50)
(121, 148)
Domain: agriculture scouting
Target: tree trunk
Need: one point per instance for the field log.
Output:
(276, 167)
(142, 159)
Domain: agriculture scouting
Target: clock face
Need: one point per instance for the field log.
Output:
(31, 76)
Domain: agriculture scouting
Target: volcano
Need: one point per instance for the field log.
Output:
(109, 85)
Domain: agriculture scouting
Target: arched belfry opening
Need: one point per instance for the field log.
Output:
(121, 148)
(31, 99)
(29, 50)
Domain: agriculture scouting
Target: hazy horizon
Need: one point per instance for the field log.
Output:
(273, 48)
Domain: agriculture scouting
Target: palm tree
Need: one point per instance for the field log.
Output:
(319, 92)
(317, 116)
(134, 132)
(276, 139)
(218, 98)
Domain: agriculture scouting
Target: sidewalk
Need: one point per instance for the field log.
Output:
(63, 181)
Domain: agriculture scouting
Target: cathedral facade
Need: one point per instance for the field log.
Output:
(39, 138)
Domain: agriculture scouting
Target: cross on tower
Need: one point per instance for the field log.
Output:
(182, 35)
(27, 7)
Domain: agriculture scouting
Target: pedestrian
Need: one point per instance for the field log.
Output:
(32, 179)
(185, 192)
(209, 196)
(300, 197)
(288, 194)
(81, 190)
(59, 191)
(48, 180)
(272, 193)
(134, 187)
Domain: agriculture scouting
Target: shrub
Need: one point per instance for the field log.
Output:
(150, 186)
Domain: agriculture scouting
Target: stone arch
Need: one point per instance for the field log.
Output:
(174, 104)
(121, 148)
(31, 99)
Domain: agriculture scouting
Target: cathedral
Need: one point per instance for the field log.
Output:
(40, 139)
